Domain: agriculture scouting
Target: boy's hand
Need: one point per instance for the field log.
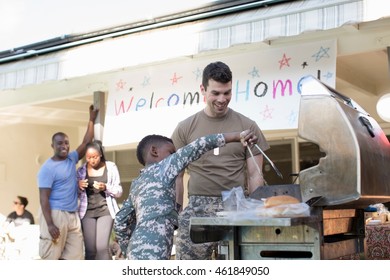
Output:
(247, 137)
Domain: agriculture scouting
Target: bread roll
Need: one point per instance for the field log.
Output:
(280, 200)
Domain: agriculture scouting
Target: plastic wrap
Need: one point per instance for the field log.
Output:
(237, 206)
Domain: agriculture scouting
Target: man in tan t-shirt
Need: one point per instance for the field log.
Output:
(218, 170)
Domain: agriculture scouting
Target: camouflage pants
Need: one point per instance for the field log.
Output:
(152, 240)
(198, 206)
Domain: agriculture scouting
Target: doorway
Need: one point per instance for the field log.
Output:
(289, 157)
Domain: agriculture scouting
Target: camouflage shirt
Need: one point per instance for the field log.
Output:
(152, 193)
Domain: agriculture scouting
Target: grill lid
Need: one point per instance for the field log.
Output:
(355, 170)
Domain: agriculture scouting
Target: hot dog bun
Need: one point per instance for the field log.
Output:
(280, 200)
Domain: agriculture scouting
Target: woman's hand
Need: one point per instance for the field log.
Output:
(99, 186)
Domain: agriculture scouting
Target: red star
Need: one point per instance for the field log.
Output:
(267, 113)
(284, 61)
(120, 85)
(175, 79)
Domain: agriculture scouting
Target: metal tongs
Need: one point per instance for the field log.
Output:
(268, 159)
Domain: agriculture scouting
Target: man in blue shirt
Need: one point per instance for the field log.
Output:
(61, 236)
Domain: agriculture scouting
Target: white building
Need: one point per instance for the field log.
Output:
(47, 87)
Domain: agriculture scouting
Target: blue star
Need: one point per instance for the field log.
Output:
(197, 73)
(292, 117)
(254, 72)
(146, 81)
(321, 53)
(328, 75)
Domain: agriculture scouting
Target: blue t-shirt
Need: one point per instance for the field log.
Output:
(60, 177)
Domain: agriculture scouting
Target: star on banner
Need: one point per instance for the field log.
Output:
(197, 73)
(175, 79)
(120, 85)
(293, 117)
(254, 72)
(267, 113)
(328, 75)
(323, 52)
(284, 61)
(146, 81)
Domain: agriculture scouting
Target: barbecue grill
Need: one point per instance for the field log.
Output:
(352, 175)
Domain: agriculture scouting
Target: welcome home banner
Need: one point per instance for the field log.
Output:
(152, 100)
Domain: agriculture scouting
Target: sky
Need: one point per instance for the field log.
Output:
(23, 22)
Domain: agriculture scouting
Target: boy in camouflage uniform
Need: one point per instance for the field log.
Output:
(146, 222)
